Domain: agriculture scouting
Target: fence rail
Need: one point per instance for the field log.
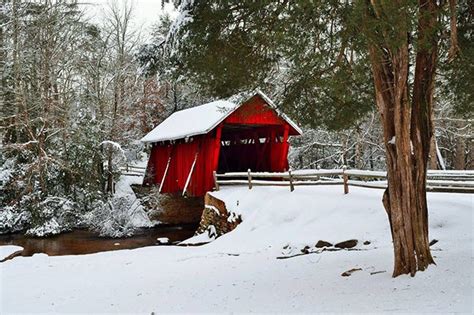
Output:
(132, 170)
(437, 181)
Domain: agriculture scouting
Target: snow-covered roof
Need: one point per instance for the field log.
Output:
(202, 119)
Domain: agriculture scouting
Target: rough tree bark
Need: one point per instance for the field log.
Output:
(407, 127)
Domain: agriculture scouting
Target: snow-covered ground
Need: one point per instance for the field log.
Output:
(240, 272)
(7, 250)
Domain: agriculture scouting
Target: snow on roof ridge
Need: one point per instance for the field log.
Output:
(203, 118)
(191, 121)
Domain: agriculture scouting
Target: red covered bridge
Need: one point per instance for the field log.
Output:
(222, 136)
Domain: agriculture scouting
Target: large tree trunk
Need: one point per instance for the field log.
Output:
(408, 129)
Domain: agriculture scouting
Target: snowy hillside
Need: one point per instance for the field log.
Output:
(240, 272)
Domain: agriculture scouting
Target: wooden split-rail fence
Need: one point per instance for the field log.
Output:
(437, 181)
(132, 170)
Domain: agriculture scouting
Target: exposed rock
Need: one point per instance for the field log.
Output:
(211, 231)
(216, 214)
(169, 208)
(367, 243)
(305, 249)
(433, 241)
(321, 244)
(350, 272)
(347, 244)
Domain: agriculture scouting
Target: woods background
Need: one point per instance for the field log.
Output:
(77, 96)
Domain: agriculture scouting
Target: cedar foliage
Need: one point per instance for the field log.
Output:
(325, 61)
(305, 52)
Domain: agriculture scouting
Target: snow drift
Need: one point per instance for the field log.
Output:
(240, 272)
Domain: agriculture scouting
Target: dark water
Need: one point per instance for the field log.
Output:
(80, 242)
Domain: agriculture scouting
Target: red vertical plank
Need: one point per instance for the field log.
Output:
(216, 148)
(284, 149)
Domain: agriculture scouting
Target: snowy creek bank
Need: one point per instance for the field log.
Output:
(240, 271)
(169, 208)
(79, 242)
(274, 215)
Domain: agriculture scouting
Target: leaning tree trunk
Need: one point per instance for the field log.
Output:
(407, 128)
(460, 153)
(433, 160)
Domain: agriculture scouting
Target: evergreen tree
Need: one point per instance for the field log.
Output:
(69, 88)
(332, 59)
(302, 52)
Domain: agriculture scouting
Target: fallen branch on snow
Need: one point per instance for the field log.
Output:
(320, 251)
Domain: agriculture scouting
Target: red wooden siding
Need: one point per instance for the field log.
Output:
(182, 158)
(257, 112)
(254, 136)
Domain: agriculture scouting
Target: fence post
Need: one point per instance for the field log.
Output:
(249, 178)
(345, 178)
(216, 184)
(292, 187)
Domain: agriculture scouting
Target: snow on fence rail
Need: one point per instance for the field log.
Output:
(132, 170)
(437, 181)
